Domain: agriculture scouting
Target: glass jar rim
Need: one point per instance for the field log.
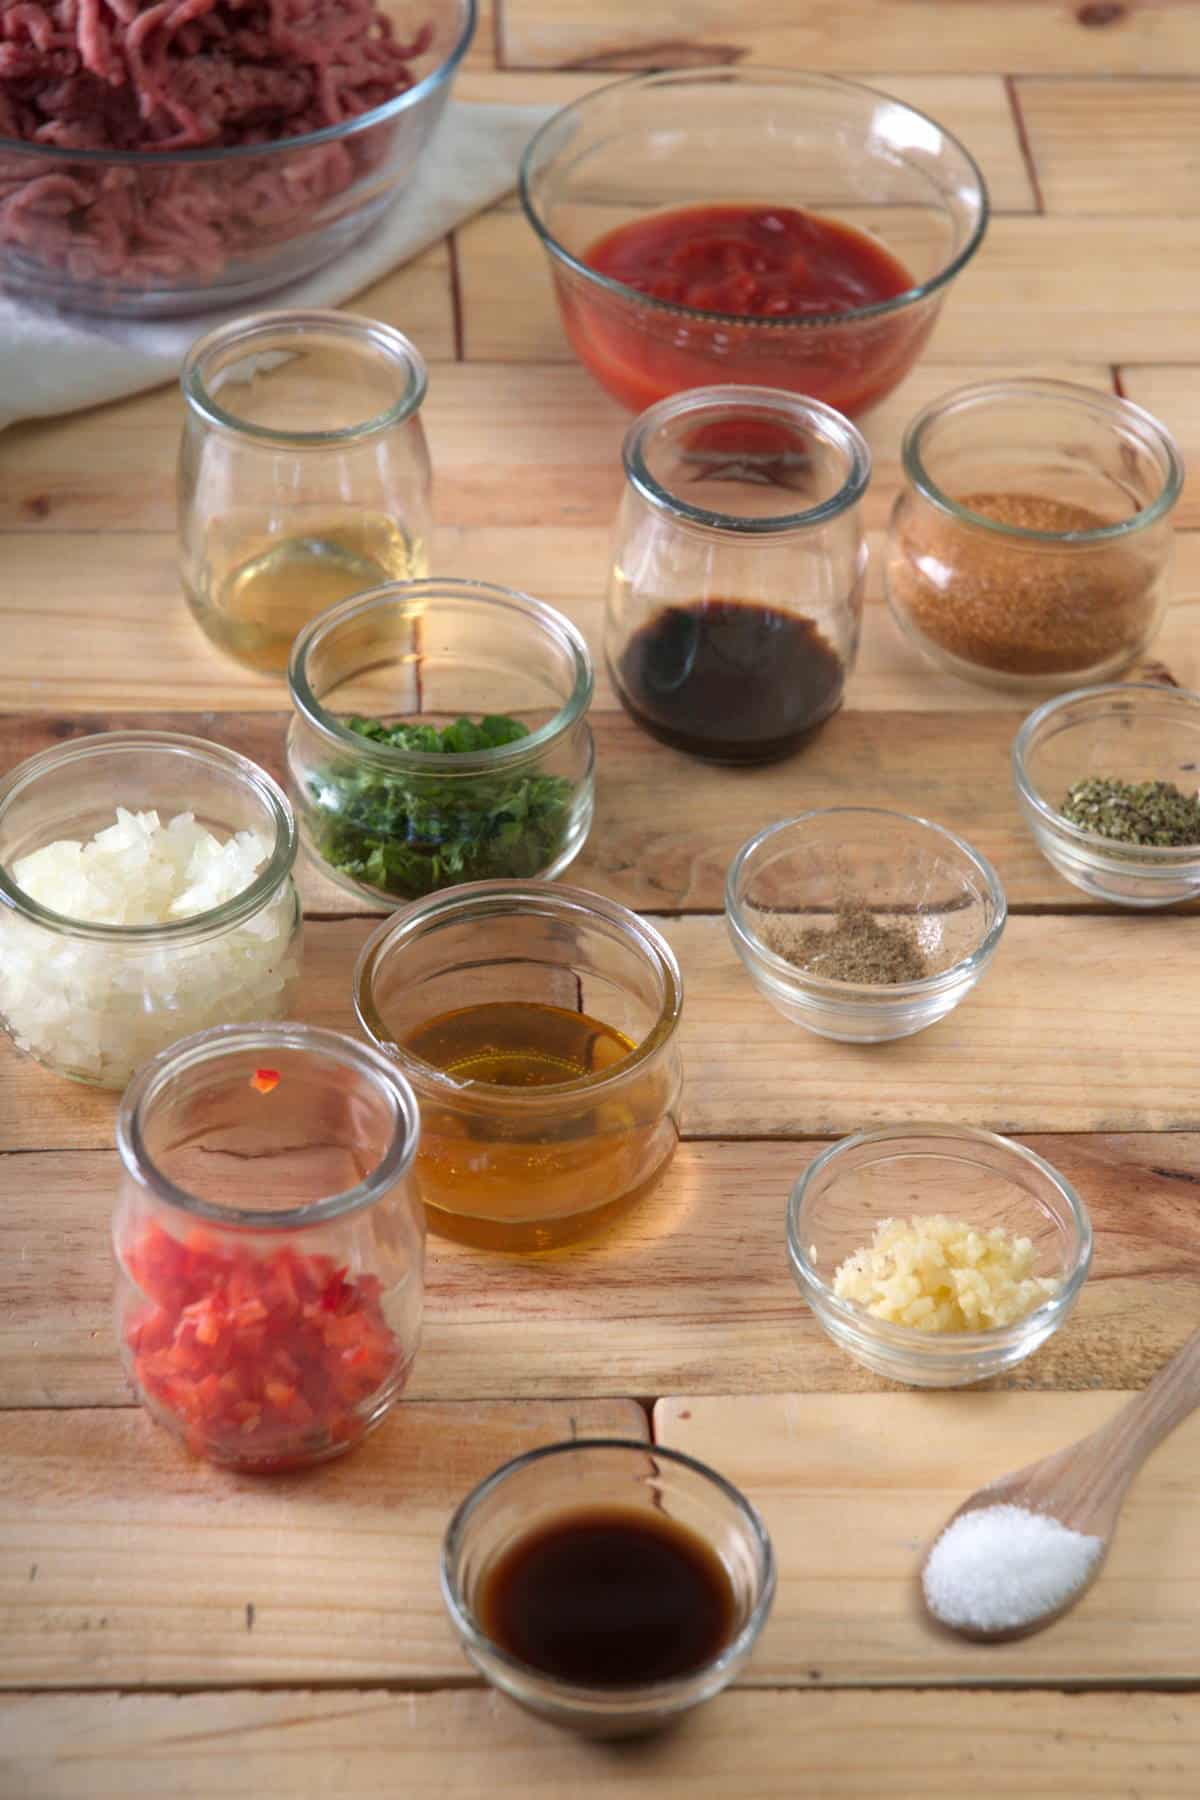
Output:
(768, 76)
(851, 991)
(1149, 430)
(548, 900)
(825, 422)
(213, 920)
(222, 1041)
(1126, 855)
(417, 597)
(907, 1337)
(309, 324)
(464, 1618)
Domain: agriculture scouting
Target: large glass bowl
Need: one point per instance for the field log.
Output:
(696, 137)
(252, 217)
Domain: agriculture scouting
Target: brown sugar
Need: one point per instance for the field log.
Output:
(1016, 606)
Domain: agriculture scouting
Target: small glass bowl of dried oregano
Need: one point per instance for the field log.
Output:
(1108, 781)
(863, 924)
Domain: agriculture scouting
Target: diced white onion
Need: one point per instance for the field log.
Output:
(98, 1010)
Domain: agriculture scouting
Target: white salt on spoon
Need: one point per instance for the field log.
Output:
(1021, 1551)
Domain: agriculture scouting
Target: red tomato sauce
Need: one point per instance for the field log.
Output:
(262, 1361)
(758, 263)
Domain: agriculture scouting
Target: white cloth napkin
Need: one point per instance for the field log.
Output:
(56, 362)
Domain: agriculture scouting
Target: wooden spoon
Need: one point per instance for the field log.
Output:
(1083, 1486)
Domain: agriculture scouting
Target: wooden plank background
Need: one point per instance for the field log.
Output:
(286, 1638)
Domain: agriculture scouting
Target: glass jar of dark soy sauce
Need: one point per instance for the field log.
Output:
(735, 599)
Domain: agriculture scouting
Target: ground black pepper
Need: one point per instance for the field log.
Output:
(855, 948)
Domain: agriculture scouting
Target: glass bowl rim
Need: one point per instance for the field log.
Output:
(215, 919)
(826, 423)
(1127, 856)
(548, 899)
(949, 1346)
(212, 1046)
(768, 76)
(645, 1693)
(303, 321)
(419, 595)
(215, 153)
(1069, 393)
(870, 995)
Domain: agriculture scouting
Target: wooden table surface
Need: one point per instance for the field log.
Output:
(170, 1629)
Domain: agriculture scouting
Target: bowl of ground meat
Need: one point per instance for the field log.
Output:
(163, 156)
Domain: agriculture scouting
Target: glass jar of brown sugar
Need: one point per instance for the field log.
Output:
(735, 598)
(1031, 544)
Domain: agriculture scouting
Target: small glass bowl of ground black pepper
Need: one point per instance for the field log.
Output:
(861, 924)
(735, 599)
(1108, 782)
(1031, 545)
(606, 1584)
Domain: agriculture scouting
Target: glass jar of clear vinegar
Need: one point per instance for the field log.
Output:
(304, 475)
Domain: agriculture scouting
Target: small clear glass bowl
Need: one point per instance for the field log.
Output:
(903, 1171)
(899, 866)
(1131, 732)
(635, 1477)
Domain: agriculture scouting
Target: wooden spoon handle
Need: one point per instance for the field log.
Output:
(1121, 1446)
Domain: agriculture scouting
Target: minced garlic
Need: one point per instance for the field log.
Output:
(938, 1274)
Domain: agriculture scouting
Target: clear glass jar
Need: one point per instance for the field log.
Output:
(395, 824)
(268, 1245)
(735, 600)
(93, 1001)
(303, 474)
(574, 1001)
(1031, 544)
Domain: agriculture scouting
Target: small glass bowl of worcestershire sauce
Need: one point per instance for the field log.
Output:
(537, 1026)
(735, 598)
(607, 1585)
(750, 225)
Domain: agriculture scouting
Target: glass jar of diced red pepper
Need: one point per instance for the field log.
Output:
(268, 1241)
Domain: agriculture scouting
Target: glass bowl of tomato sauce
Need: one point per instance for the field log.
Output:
(759, 226)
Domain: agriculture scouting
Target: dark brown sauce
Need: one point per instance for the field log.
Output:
(728, 680)
(607, 1597)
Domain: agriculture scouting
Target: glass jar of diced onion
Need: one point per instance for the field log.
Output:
(146, 892)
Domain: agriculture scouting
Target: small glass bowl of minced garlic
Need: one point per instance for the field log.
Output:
(1108, 782)
(937, 1255)
(862, 924)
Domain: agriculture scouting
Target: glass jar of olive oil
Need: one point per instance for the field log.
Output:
(303, 474)
(537, 1026)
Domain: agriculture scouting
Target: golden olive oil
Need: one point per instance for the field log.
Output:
(506, 1176)
(519, 1043)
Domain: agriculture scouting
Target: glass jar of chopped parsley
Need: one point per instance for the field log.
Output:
(439, 736)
